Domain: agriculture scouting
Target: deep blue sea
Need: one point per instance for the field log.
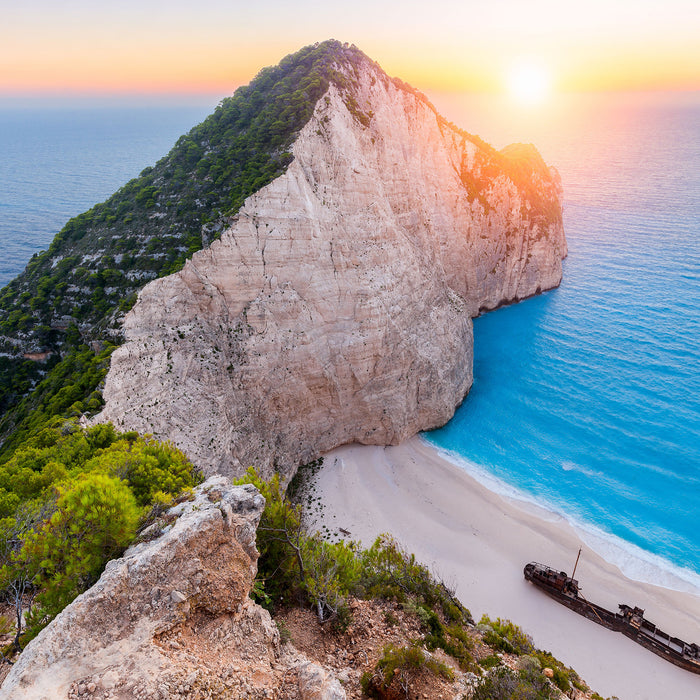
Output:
(585, 399)
(58, 159)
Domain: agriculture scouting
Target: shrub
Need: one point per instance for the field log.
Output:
(285, 634)
(397, 666)
(61, 449)
(94, 520)
(331, 572)
(503, 684)
(280, 540)
(71, 500)
(323, 574)
(148, 466)
(499, 684)
(390, 572)
(293, 562)
(561, 680)
(563, 677)
(390, 618)
(206, 177)
(490, 661)
(506, 636)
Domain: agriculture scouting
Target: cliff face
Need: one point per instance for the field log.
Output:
(61, 316)
(337, 306)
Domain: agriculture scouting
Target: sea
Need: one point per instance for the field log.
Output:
(586, 399)
(59, 157)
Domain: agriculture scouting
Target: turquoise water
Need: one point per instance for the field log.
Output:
(587, 398)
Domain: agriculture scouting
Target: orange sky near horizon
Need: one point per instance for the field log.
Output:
(212, 46)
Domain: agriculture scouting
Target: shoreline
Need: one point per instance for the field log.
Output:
(478, 541)
(633, 562)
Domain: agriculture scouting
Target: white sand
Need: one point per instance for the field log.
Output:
(478, 542)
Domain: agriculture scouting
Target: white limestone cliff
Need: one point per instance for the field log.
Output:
(337, 306)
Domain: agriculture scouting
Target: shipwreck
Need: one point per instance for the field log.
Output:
(630, 621)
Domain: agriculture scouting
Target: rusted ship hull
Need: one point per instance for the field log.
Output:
(629, 621)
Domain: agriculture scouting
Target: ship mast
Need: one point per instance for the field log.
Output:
(576, 564)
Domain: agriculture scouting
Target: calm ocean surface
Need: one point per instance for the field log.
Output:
(58, 161)
(586, 399)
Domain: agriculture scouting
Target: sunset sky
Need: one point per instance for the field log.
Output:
(212, 46)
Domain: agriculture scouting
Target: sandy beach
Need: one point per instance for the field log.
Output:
(478, 542)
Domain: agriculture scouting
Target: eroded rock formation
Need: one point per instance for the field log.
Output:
(170, 618)
(337, 306)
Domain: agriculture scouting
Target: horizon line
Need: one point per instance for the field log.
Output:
(61, 94)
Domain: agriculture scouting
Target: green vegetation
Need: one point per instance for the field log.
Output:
(504, 635)
(503, 684)
(295, 565)
(396, 669)
(298, 567)
(156, 221)
(524, 166)
(71, 500)
(389, 572)
(69, 388)
(564, 677)
(528, 171)
(490, 662)
(302, 565)
(95, 519)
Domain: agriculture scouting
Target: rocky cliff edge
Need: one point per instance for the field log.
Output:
(337, 306)
(172, 619)
(131, 634)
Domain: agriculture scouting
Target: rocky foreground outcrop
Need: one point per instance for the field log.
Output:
(337, 306)
(172, 618)
(130, 635)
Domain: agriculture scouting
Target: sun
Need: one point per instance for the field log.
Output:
(529, 82)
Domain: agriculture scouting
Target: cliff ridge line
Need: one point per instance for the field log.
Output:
(337, 305)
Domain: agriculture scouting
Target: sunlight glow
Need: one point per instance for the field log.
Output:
(529, 83)
(135, 46)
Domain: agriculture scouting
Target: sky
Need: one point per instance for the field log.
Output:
(66, 47)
